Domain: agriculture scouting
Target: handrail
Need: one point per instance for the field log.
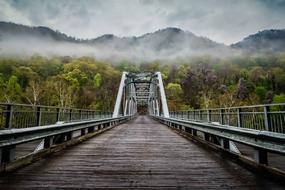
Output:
(51, 136)
(11, 137)
(25, 115)
(43, 106)
(223, 136)
(268, 117)
(236, 107)
(274, 142)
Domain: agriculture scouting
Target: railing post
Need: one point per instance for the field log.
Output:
(267, 118)
(57, 114)
(80, 114)
(8, 154)
(209, 115)
(39, 115)
(188, 115)
(70, 114)
(260, 155)
(225, 143)
(83, 132)
(68, 136)
(206, 136)
(48, 141)
(9, 117)
(239, 120)
(222, 116)
(200, 115)
(194, 132)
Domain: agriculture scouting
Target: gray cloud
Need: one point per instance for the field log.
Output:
(225, 21)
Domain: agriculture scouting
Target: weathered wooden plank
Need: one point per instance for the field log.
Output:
(141, 154)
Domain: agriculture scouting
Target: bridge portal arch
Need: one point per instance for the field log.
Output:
(141, 90)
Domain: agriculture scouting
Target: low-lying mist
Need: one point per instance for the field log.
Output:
(165, 44)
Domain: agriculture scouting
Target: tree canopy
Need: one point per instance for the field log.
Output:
(190, 83)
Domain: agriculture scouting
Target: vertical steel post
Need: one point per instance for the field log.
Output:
(70, 114)
(157, 107)
(153, 107)
(261, 157)
(48, 142)
(267, 118)
(8, 154)
(209, 115)
(57, 114)
(226, 143)
(80, 114)
(162, 95)
(39, 115)
(119, 95)
(222, 116)
(9, 117)
(126, 107)
(239, 120)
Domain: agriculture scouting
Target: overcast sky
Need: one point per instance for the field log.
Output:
(225, 21)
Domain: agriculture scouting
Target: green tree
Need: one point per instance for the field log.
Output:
(97, 80)
(279, 98)
(34, 92)
(12, 90)
(173, 94)
(261, 93)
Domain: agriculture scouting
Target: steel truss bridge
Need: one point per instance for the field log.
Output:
(47, 147)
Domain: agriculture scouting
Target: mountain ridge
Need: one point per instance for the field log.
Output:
(17, 28)
(168, 42)
(263, 41)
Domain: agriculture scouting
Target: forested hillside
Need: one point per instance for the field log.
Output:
(196, 82)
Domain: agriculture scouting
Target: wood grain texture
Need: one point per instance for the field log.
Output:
(141, 154)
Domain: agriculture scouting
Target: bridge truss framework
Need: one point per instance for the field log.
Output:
(141, 89)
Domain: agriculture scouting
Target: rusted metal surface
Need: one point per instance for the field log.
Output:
(141, 154)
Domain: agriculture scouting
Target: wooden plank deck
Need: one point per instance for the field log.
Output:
(141, 154)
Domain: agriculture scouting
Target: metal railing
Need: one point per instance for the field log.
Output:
(224, 137)
(269, 117)
(24, 115)
(50, 136)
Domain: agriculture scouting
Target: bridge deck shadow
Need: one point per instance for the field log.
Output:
(139, 154)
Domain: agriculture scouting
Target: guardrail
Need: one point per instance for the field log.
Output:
(222, 136)
(270, 117)
(25, 115)
(51, 135)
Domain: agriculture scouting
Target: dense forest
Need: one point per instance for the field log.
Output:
(190, 83)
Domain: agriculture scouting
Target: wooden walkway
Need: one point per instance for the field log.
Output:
(141, 154)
